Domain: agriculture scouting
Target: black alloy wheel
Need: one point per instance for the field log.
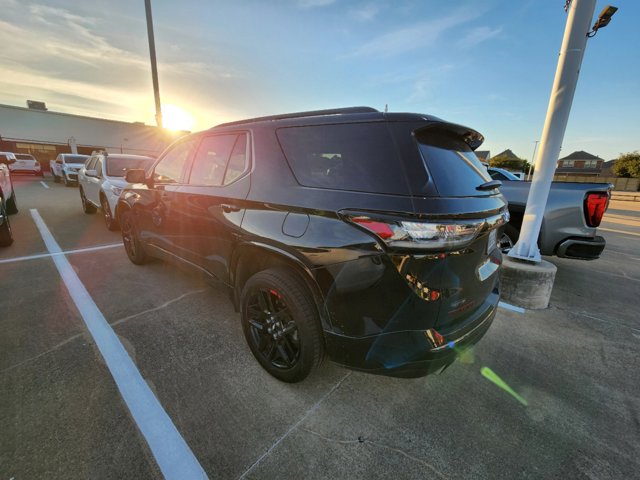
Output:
(281, 324)
(110, 222)
(6, 235)
(87, 207)
(132, 245)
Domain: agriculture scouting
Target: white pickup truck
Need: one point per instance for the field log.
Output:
(7, 198)
(101, 180)
(65, 167)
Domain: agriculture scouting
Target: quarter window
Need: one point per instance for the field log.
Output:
(172, 167)
(220, 160)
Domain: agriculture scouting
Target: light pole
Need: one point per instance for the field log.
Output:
(154, 67)
(564, 87)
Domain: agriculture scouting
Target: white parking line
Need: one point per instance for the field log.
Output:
(171, 452)
(65, 252)
(44, 185)
(513, 308)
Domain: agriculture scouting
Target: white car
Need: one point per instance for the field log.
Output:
(66, 166)
(7, 198)
(26, 163)
(101, 181)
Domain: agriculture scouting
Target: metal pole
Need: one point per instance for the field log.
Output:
(154, 68)
(555, 124)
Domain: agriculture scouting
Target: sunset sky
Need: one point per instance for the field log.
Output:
(488, 64)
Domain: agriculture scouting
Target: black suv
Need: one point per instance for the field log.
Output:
(366, 236)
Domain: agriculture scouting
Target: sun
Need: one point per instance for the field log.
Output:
(175, 118)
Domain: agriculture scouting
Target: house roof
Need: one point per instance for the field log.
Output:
(507, 154)
(483, 154)
(581, 155)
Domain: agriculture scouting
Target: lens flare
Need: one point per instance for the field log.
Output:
(493, 377)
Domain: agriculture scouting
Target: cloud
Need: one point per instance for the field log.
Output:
(413, 37)
(478, 35)
(314, 3)
(366, 13)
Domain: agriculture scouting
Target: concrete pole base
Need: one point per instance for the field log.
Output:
(527, 285)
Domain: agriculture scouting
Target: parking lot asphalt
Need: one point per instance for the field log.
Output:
(568, 405)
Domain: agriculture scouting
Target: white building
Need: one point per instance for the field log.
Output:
(44, 134)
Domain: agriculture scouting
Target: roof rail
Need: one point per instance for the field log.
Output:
(312, 113)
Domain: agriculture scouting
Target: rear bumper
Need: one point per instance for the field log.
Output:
(408, 354)
(581, 248)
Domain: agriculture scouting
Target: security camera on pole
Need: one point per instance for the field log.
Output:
(527, 280)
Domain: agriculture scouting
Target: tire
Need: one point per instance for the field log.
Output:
(6, 235)
(509, 238)
(281, 324)
(65, 180)
(56, 178)
(12, 205)
(132, 244)
(87, 207)
(110, 222)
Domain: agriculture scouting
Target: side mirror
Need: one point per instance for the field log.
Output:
(91, 173)
(135, 175)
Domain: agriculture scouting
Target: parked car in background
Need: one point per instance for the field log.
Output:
(7, 199)
(367, 236)
(7, 193)
(26, 163)
(65, 167)
(101, 180)
(571, 216)
(502, 174)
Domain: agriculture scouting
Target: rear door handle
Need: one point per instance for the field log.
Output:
(228, 208)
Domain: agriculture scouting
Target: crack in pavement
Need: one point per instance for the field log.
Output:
(379, 445)
(117, 322)
(313, 408)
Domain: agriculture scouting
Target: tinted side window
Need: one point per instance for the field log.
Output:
(172, 167)
(211, 160)
(238, 161)
(359, 156)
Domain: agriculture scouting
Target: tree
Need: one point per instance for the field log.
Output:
(628, 165)
(509, 161)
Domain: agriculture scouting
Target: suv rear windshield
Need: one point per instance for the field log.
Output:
(117, 166)
(24, 156)
(454, 168)
(354, 156)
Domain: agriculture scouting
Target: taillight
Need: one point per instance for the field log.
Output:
(422, 235)
(595, 204)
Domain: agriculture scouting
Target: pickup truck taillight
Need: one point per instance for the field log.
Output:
(595, 204)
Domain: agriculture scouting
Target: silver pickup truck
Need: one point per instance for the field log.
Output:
(572, 214)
